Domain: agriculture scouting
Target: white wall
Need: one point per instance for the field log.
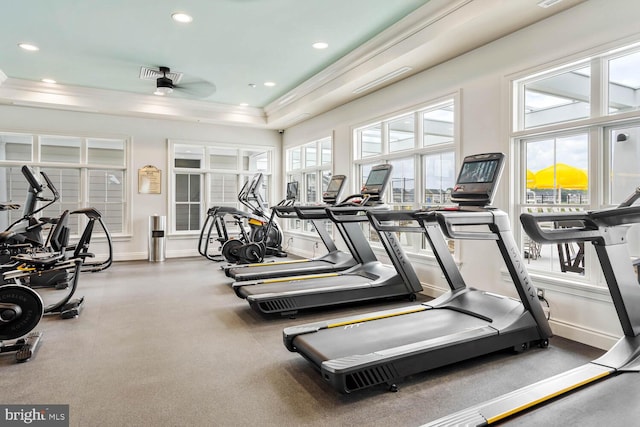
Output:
(480, 77)
(149, 147)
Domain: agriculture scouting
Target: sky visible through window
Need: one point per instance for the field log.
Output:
(571, 150)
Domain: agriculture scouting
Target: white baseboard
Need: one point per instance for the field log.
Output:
(432, 291)
(137, 256)
(583, 335)
(130, 256)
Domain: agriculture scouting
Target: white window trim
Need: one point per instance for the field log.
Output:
(36, 135)
(416, 153)
(319, 169)
(600, 119)
(205, 172)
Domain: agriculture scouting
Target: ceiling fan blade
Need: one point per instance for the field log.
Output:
(196, 88)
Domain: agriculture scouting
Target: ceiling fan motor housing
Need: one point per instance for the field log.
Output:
(164, 82)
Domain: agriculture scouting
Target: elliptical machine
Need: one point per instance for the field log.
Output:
(217, 218)
(255, 226)
(26, 232)
(42, 270)
(255, 251)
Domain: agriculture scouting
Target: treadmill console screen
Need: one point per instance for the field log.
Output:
(334, 188)
(377, 180)
(478, 179)
(292, 190)
(376, 177)
(478, 172)
(335, 184)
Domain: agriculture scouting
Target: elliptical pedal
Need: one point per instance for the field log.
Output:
(72, 309)
(27, 346)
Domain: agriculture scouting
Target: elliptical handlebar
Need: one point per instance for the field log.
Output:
(250, 196)
(54, 191)
(34, 194)
(34, 184)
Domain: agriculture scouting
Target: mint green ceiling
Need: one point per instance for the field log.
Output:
(231, 43)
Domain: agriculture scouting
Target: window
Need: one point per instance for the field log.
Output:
(624, 83)
(87, 172)
(439, 178)
(370, 140)
(559, 97)
(579, 148)
(208, 174)
(421, 146)
(401, 133)
(309, 165)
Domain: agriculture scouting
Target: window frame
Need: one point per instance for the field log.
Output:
(206, 172)
(413, 246)
(301, 173)
(84, 167)
(597, 126)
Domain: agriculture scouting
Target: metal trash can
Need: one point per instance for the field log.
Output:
(157, 248)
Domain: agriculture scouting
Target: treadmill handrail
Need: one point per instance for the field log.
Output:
(617, 216)
(461, 218)
(348, 213)
(311, 212)
(378, 218)
(285, 211)
(588, 231)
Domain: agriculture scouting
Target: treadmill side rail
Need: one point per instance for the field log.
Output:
(522, 399)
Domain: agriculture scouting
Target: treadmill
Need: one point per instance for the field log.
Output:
(368, 280)
(334, 260)
(362, 351)
(606, 229)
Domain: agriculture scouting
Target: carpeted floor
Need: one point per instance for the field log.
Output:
(169, 344)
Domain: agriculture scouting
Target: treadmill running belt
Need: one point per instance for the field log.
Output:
(266, 271)
(383, 334)
(343, 281)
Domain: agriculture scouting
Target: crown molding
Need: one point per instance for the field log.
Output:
(436, 32)
(55, 96)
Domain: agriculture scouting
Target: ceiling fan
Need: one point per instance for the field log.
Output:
(168, 81)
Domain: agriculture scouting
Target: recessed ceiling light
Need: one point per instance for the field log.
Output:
(28, 46)
(181, 17)
(48, 81)
(320, 45)
(269, 84)
(244, 104)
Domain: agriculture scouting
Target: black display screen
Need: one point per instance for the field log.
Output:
(292, 190)
(478, 172)
(376, 177)
(334, 185)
